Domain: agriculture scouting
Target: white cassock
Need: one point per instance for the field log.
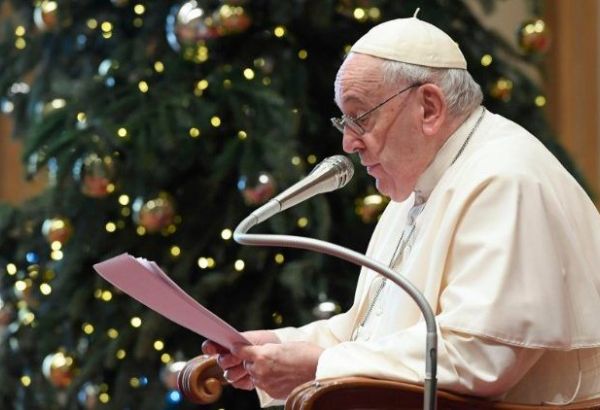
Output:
(506, 249)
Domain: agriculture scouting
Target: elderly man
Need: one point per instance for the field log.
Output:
(502, 241)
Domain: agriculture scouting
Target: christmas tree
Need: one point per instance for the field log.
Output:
(160, 125)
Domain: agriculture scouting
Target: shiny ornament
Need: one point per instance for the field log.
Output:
(231, 19)
(187, 29)
(370, 207)
(502, 89)
(326, 309)
(155, 214)
(534, 37)
(169, 374)
(57, 229)
(189, 26)
(95, 175)
(45, 15)
(257, 189)
(87, 396)
(59, 369)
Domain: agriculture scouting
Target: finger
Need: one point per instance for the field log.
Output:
(209, 347)
(247, 365)
(245, 352)
(244, 383)
(228, 360)
(235, 374)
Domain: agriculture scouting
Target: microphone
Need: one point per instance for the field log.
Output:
(330, 174)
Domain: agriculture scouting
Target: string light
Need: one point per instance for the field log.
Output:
(106, 295)
(11, 269)
(112, 333)
(124, 199)
(302, 222)
(122, 132)
(139, 9)
(87, 328)
(279, 31)
(159, 67)
(296, 160)
(242, 135)
(226, 234)
(45, 289)
(110, 227)
(143, 86)
(239, 265)
(135, 322)
(56, 255)
(26, 381)
(92, 24)
(165, 358)
(194, 132)
(486, 60)
(175, 251)
(120, 354)
(279, 258)
(248, 73)
(104, 398)
(311, 159)
(360, 14)
(540, 101)
(215, 121)
(159, 345)
(302, 54)
(140, 230)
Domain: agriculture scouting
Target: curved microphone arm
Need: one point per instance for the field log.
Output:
(430, 383)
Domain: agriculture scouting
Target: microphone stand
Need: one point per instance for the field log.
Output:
(241, 236)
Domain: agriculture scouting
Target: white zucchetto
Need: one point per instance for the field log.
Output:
(410, 40)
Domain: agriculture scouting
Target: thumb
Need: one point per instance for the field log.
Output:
(244, 352)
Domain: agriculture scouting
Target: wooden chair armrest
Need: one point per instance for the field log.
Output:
(363, 393)
(201, 380)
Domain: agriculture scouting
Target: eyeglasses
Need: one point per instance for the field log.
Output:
(353, 123)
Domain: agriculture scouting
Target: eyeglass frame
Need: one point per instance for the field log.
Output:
(344, 120)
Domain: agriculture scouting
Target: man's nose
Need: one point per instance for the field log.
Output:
(351, 142)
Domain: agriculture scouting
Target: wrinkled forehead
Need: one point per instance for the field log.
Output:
(360, 76)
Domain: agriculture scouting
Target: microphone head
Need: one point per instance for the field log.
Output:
(341, 166)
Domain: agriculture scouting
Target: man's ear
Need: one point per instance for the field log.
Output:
(434, 108)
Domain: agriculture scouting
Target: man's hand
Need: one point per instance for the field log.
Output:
(275, 367)
(279, 368)
(233, 369)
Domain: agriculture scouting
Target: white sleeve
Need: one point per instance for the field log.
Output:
(466, 363)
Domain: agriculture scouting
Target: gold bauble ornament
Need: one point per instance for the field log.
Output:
(534, 37)
(501, 89)
(45, 15)
(169, 374)
(59, 369)
(189, 26)
(370, 207)
(231, 19)
(57, 229)
(258, 189)
(155, 214)
(95, 174)
(187, 29)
